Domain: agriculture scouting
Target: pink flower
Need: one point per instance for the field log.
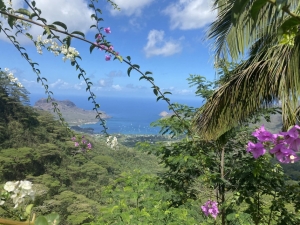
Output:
(256, 149)
(89, 145)
(76, 144)
(107, 30)
(99, 36)
(291, 137)
(263, 135)
(73, 138)
(111, 48)
(283, 153)
(102, 47)
(107, 57)
(210, 208)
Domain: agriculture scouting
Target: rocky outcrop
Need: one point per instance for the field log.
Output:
(71, 113)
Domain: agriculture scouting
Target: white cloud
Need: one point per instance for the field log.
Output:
(117, 87)
(130, 7)
(60, 84)
(75, 14)
(190, 14)
(156, 45)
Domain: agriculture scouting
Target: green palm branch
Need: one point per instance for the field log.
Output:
(269, 72)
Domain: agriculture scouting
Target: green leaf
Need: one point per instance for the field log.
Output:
(41, 221)
(24, 12)
(2, 5)
(136, 66)
(129, 71)
(32, 15)
(92, 48)
(256, 7)
(52, 218)
(67, 40)
(148, 72)
(29, 35)
(33, 3)
(11, 21)
(129, 58)
(47, 30)
(119, 58)
(289, 23)
(58, 23)
(79, 33)
(238, 7)
(155, 91)
(28, 210)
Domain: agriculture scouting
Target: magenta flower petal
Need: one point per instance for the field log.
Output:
(263, 135)
(257, 150)
(107, 57)
(107, 30)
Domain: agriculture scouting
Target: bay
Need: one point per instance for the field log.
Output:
(129, 115)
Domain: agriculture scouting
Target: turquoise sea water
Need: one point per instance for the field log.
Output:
(129, 115)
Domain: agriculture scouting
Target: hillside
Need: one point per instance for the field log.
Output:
(72, 114)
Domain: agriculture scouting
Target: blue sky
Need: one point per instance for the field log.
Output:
(162, 36)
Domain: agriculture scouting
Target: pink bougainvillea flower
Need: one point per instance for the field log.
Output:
(73, 138)
(89, 145)
(256, 149)
(111, 48)
(99, 36)
(107, 57)
(210, 208)
(107, 30)
(291, 137)
(76, 144)
(263, 135)
(283, 153)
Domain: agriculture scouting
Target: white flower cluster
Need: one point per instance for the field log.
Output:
(22, 23)
(18, 190)
(112, 143)
(52, 46)
(11, 78)
(19, 22)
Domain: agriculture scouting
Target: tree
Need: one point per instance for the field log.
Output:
(263, 37)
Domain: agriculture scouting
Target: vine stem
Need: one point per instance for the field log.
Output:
(96, 45)
(92, 96)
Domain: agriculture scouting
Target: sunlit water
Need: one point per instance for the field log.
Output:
(128, 115)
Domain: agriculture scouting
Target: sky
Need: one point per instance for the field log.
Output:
(162, 36)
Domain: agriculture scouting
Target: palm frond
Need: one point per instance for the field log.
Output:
(271, 74)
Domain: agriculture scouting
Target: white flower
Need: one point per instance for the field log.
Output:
(2, 202)
(27, 185)
(39, 38)
(10, 186)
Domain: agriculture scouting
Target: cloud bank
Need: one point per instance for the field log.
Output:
(190, 14)
(158, 45)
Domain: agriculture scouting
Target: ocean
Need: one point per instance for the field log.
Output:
(128, 115)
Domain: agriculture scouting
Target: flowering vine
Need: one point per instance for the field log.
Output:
(283, 145)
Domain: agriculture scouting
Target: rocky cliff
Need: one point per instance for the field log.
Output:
(72, 114)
